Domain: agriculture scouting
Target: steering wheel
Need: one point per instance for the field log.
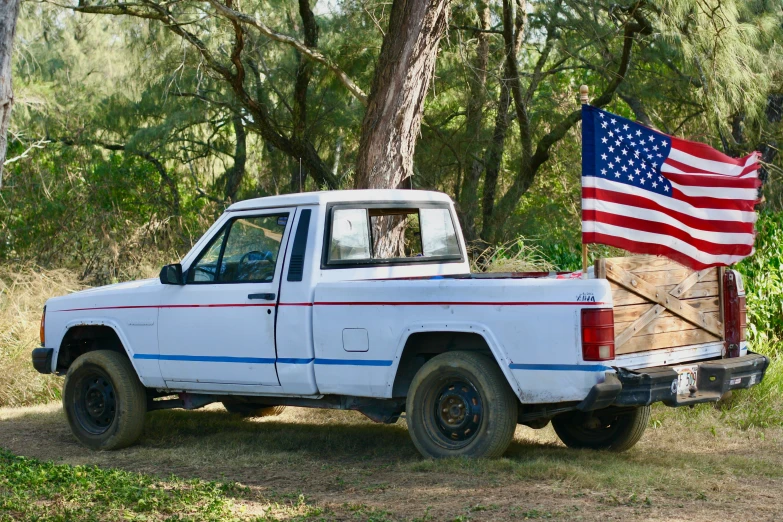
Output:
(262, 256)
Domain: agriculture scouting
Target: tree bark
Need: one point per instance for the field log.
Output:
(9, 12)
(304, 72)
(234, 176)
(477, 84)
(395, 106)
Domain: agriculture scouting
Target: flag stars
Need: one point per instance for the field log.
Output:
(603, 157)
(630, 177)
(611, 149)
(624, 168)
(613, 121)
(642, 180)
(617, 159)
(616, 174)
(611, 134)
(625, 152)
(625, 127)
(603, 125)
(666, 188)
(617, 142)
(655, 184)
(638, 132)
(638, 171)
(611, 165)
(604, 140)
(603, 171)
(655, 147)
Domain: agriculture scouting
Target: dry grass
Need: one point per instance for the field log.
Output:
(23, 292)
(517, 255)
(311, 464)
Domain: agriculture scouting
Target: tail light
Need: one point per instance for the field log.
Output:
(734, 312)
(598, 334)
(43, 327)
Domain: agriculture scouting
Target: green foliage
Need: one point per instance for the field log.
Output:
(763, 278)
(34, 490)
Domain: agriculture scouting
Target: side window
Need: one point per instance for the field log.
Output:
(378, 234)
(251, 249)
(248, 253)
(438, 237)
(205, 269)
(350, 235)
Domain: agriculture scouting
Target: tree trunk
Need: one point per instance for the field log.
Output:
(396, 103)
(304, 72)
(234, 175)
(9, 12)
(477, 83)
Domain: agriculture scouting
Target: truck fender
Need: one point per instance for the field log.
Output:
(97, 321)
(461, 327)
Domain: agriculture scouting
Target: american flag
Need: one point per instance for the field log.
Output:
(650, 193)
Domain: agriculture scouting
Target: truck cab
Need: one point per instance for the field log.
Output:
(364, 300)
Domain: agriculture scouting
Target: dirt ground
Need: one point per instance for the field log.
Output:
(340, 466)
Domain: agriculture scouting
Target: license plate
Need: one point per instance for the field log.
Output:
(686, 377)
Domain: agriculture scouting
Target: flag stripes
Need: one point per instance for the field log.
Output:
(650, 193)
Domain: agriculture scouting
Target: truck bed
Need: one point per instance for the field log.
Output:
(662, 306)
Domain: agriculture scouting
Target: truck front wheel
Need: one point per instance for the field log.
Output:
(104, 401)
(460, 404)
(247, 410)
(615, 431)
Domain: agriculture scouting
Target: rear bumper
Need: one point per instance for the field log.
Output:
(645, 386)
(42, 359)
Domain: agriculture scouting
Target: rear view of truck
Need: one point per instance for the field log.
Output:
(678, 334)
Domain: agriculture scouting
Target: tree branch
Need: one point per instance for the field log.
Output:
(312, 54)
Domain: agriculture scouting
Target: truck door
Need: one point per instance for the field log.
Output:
(218, 330)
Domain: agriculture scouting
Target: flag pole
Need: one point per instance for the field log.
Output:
(583, 92)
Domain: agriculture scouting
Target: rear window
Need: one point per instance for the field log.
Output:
(378, 234)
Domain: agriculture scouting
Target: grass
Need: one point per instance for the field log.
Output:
(23, 292)
(312, 464)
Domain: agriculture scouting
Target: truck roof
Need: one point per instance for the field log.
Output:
(339, 196)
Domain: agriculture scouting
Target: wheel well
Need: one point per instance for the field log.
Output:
(423, 346)
(81, 339)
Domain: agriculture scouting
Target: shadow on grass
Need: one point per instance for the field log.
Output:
(326, 451)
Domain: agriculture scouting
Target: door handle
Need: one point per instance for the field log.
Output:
(265, 297)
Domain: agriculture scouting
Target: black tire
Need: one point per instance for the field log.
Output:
(247, 410)
(460, 405)
(602, 430)
(104, 401)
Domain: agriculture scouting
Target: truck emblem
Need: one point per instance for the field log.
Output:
(585, 297)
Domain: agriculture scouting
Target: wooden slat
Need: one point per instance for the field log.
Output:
(659, 325)
(666, 340)
(681, 308)
(622, 296)
(645, 263)
(632, 328)
(675, 277)
(629, 313)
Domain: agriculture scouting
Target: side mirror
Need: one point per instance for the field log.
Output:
(172, 275)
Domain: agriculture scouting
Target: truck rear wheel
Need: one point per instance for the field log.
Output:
(247, 410)
(618, 431)
(460, 404)
(104, 401)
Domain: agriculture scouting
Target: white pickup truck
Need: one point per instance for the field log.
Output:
(364, 300)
